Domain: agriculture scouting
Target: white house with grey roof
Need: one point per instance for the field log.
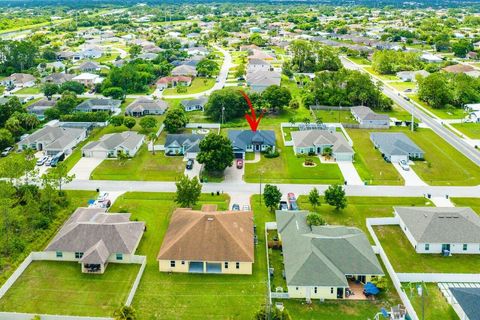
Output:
(260, 80)
(94, 105)
(322, 262)
(256, 64)
(144, 107)
(95, 238)
(53, 140)
(396, 146)
(438, 230)
(251, 141)
(318, 141)
(110, 145)
(368, 118)
(197, 104)
(183, 144)
(465, 302)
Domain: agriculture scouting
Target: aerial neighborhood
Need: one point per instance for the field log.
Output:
(240, 160)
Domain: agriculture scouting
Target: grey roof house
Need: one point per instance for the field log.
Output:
(39, 107)
(441, 230)
(197, 104)
(260, 80)
(465, 303)
(58, 78)
(110, 145)
(184, 70)
(53, 140)
(368, 118)
(323, 262)
(317, 141)
(251, 141)
(94, 238)
(144, 106)
(89, 66)
(183, 144)
(94, 105)
(396, 147)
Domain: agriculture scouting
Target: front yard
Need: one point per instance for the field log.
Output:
(404, 258)
(29, 90)
(471, 130)
(143, 166)
(56, 287)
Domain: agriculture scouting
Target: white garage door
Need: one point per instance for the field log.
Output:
(397, 159)
(99, 154)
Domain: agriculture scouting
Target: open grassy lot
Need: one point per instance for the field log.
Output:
(143, 166)
(343, 116)
(402, 86)
(40, 239)
(441, 113)
(397, 112)
(443, 165)
(193, 296)
(54, 287)
(198, 85)
(108, 57)
(435, 304)
(381, 76)
(473, 203)
(360, 60)
(471, 130)
(369, 163)
(30, 90)
(404, 258)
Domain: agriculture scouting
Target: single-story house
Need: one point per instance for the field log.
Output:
(144, 106)
(166, 82)
(53, 140)
(194, 104)
(367, 117)
(396, 147)
(197, 51)
(411, 76)
(251, 141)
(19, 80)
(208, 241)
(258, 81)
(112, 144)
(459, 68)
(89, 66)
(38, 108)
(318, 141)
(431, 58)
(323, 262)
(58, 78)
(95, 238)
(437, 230)
(184, 70)
(465, 302)
(183, 144)
(88, 79)
(94, 105)
(147, 56)
(258, 65)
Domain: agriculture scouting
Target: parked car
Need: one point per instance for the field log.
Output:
(283, 206)
(6, 151)
(246, 207)
(239, 163)
(103, 196)
(189, 164)
(236, 207)
(59, 157)
(48, 162)
(404, 165)
(41, 161)
(406, 98)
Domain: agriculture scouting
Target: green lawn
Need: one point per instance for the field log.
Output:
(402, 86)
(360, 60)
(109, 57)
(30, 90)
(471, 130)
(453, 113)
(473, 203)
(369, 163)
(381, 76)
(54, 287)
(193, 296)
(125, 103)
(404, 258)
(398, 113)
(343, 116)
(198, 85)
(143, 166)
(434, 303)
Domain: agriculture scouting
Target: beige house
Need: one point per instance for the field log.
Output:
(208, 241)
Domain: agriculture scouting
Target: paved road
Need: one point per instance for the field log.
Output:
(462, 146)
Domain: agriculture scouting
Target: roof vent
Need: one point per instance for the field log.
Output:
(210, 219)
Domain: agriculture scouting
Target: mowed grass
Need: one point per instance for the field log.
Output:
(55, 287)
(404, 258)
(473, 203)
(29, 90)
(471, 130)
(381, 76)
(441, 113)
(403, 85)
(369, 162)
(144, 166)
(435, 305)
(198, 85)
(191, 296)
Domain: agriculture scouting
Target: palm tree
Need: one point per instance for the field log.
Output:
(124, 313)
(153, 137)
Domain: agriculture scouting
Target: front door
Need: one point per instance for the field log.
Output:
(257, 147)
(445, 247)
(339, 293)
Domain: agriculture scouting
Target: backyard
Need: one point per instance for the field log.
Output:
(473, 203)
(404, 258)
(174, 296)
(56, 287)
(198, 85)
(434, 303)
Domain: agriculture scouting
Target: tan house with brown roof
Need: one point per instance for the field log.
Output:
(208, 241)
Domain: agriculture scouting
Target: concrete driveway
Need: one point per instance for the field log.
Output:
(349, 173)
(410, 177)
(84, 168)
(239, 198)
(195, 171)
(232, 174)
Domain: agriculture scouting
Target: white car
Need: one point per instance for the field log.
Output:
(246, 207)
(404, 165)
(41, 161)
(48, 162)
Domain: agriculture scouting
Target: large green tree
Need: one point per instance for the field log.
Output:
(175, 119)
(207, 67)
(271, 196)
(216, 153)
(277, 97)
(335, 196)
(188, 192)
(230, 101)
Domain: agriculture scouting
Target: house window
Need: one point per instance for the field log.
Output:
(315, 290)
(119, 256)
(78, 255)
(226, 265)
(331, 290)
(59, 254)
(183, 263)
(296, 288)
(237, 265)
(465, 247)
(172, 264)
(427, 246)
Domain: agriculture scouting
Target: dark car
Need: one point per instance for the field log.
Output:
(236, 207)
(190, 164)
(283, 206)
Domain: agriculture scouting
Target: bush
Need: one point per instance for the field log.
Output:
(100, 116)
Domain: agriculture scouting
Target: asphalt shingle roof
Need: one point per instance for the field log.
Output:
(468, 299)
(392, 143)
(241, 138)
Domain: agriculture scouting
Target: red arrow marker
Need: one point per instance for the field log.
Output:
(251, 118)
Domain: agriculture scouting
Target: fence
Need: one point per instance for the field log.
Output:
(393, 275)
(143, 261)
(29, 316)
(364, 126)
(333, 108)
(279, 295)
(438, 277)
(268, 226)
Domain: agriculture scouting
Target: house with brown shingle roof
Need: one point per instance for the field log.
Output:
(208, 241)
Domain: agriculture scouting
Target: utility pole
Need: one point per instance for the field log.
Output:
(223, 116)
(261, 174)
(413, 118)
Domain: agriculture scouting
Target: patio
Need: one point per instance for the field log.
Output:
(356, 290)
